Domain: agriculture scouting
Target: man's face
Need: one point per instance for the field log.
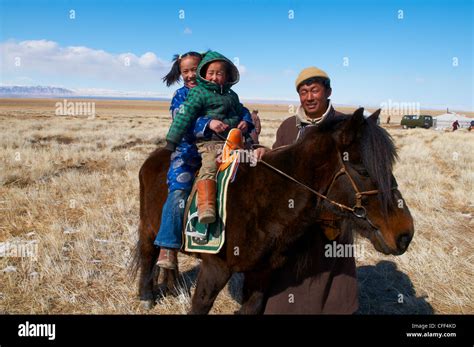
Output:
(314, 99)
(216, 72)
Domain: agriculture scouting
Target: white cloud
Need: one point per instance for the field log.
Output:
(149, 60)
(188, 31)
(43, 58)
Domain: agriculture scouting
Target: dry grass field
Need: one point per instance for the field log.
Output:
(69, 187)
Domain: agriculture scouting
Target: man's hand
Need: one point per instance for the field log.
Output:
(259, 152)
(243, 126)
(218, 126)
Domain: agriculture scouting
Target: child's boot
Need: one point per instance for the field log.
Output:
(206, 199)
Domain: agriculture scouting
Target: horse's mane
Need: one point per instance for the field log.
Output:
(378, 156)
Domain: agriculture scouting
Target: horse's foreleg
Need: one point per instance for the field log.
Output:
(213, 276)
(254, 292)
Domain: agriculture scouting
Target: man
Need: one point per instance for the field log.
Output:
(455, 125)
(257, 127)
(324, 285)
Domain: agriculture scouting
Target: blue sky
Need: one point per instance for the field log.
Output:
(423, 54)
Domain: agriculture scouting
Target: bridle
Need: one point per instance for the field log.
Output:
(357, 210)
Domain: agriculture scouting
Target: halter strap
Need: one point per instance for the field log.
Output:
(358, 210)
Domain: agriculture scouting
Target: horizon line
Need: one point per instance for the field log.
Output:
(103, 93)
(249, 101)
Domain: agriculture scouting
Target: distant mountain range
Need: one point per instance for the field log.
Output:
(34, 91)
(58, 92)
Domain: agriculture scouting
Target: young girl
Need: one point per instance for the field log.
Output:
(185, 159)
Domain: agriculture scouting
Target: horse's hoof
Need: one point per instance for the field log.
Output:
(146, 304)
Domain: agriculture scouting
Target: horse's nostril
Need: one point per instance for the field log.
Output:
(403, 241)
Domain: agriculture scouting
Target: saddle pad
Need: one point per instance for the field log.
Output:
(208, 238)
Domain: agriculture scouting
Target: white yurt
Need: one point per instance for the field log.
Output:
(446, 121)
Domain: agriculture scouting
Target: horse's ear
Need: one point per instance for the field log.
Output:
(352, 127)
(374, 116)
(358, 114)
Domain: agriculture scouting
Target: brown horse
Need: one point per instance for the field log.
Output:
(343, 167)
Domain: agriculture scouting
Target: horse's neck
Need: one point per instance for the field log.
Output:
(308, 161)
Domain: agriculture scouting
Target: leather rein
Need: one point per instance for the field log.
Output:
(358, 210)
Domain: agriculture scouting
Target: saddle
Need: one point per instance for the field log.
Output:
(209, 238)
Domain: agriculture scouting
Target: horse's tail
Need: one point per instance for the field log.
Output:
(135, 261)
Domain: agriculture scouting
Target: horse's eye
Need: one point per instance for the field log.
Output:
(363, 172)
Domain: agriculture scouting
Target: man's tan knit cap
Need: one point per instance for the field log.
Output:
(308, 73)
